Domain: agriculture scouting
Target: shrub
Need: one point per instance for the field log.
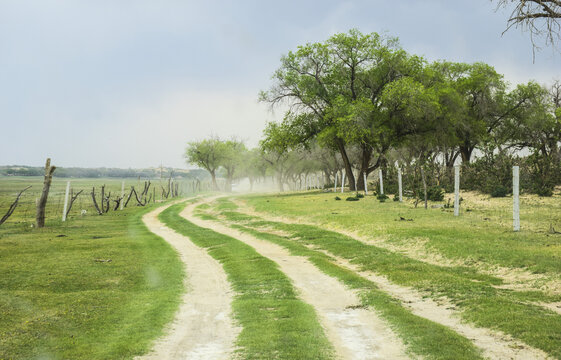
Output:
(543, 191)
(382, 197)
(360, 196)
(337, 198)
(435, 193)
(499, 191)
(352, 198)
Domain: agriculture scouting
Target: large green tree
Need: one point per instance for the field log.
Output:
(334, 91)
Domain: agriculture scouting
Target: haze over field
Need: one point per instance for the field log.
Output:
(127, 84)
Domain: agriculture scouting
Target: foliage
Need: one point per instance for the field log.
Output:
(499, 191)
(435, 193)
(489, 172)
(382, 197)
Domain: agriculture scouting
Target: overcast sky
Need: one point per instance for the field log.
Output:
(127, 83)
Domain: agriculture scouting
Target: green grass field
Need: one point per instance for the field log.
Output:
(94, 287)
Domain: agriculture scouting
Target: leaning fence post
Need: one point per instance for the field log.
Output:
(343, 182)
(66, 201)
(457, 190)
(123, 194)
(365, 184)
(516, 197)
(335, 185)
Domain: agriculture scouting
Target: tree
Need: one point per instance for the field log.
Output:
(541, 18)
(207, 154)
(334, 90)
(233, 153)
(277, 147)
(254, 166)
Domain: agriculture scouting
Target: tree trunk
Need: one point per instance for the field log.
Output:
(214, 183)
(99, 212)
(228, 185)
(279, 180)
(72, 199)
(40, 216)
(466, 151)
(251, 181)
(12, 207)
(348, 169)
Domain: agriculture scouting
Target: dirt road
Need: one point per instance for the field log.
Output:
(354, 332)
(202, 328)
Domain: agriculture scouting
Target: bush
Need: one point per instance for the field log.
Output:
(489, 172)
(352, 198)
(542, 174)
(435, 193)
(360, 196)
(543, 191)
(382, 197)
(337, 198)
(499, 191)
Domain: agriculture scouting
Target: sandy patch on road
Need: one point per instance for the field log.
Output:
(354, 332)
(203, 327)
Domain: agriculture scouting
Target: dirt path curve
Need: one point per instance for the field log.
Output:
(494, 344)
(355, 333)
(202, 328)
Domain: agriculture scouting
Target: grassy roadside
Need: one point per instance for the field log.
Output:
(276, 324)
(422, 337)
(481, 236)
(61, 297)
(475, 294)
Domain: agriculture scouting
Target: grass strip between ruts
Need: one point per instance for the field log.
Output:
(481, 303)
(275, 323)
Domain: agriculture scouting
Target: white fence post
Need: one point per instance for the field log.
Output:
(343, 182)
(457, 190)
(66, 201)
(399, 184)
(365, 184)
(516, 197)
(123, 195)
(381, 181)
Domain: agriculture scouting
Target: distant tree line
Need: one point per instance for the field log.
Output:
(75, 172)
(359, 102)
